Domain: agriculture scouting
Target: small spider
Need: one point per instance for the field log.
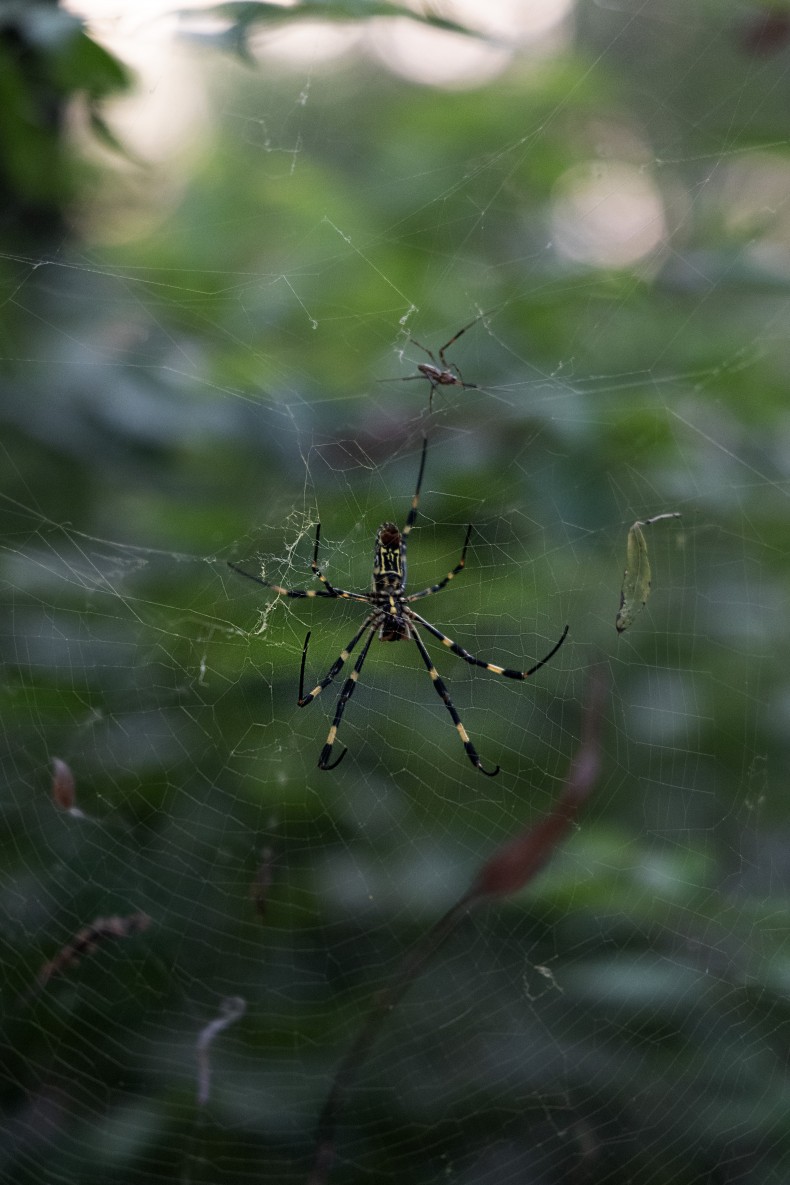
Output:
(445, 375)
(393, 620)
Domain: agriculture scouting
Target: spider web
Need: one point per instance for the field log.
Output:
(208, 369)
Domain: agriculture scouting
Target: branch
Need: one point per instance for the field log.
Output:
(510, 869)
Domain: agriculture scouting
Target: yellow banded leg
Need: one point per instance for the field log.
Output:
(444, 695)
(505, 672)
(412, 516)
(459, 567)
(345, 696)
(333, 671)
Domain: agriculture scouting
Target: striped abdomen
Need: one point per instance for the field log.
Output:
(389, 560)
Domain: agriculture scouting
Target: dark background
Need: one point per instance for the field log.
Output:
(211, 258)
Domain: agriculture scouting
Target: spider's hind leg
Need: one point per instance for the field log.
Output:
(444, 695)
(333, 671)
(345, 696)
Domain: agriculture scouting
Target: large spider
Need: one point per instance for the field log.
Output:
(393, 619)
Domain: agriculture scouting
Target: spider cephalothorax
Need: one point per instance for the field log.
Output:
(391, 619)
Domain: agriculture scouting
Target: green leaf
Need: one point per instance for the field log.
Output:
(81, 65)
(245, 14)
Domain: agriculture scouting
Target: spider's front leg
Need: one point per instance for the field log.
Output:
(333, 592)
(459, 567)
(411, 517)
(287, 592)
(329, 590)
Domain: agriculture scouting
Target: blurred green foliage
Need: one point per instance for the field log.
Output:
(199, 352)
(47, 64)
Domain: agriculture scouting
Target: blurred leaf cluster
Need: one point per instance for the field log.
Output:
(47, 63)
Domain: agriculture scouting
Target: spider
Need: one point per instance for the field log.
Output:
(445, 375)
(393, 620)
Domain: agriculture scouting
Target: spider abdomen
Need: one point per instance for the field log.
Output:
(389, 560)
(441, 378)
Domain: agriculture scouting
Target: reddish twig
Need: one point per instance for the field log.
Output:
(89, 939)
(262, 882)
(511, 867)
(64, 788)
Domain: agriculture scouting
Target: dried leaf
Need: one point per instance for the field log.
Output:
(637, 576)
(64, 786)
(89, 938)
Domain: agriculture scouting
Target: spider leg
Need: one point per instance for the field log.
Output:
(425, 349)
(459, 380)
(447, 345)
(284, 592)
(314, 564)
(456, 378)
(303, 699)
(345, 696)
(444, 695)
(300, 592)
(505, 672)
(412, 515)
(426, 592)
